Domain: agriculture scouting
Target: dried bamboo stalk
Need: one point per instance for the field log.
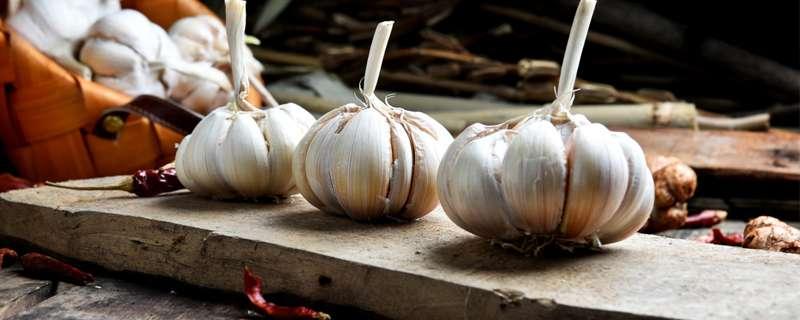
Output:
(456, 113)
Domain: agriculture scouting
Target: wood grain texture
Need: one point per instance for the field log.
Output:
(767, 155)
(427, 269)
(18, 293)
(113, 299)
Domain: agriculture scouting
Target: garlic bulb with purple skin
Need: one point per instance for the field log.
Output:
(551, 176)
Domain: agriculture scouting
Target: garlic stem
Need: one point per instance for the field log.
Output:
(375, 59)
(572, 56)
(125, 185)
(235, 16)
(262, 90)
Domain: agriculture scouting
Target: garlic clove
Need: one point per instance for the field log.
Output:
(108, 58)
(319, 157)
(281, 134)
(426, 154)
(432, 127)
(468, 183)
(598, 178)
(198, 161)
(243, 157)
(298, 114)
(302, 171)
(402, 169)
(639, 196)
(363, 161)
(205, 94)
(535, 176)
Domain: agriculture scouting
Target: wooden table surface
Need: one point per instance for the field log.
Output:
(427, 269)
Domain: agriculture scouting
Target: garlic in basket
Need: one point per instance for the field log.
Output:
(56, 27)
(202, 39)
(550, 177)
(239, 151)
(372, 161)
(129, 53)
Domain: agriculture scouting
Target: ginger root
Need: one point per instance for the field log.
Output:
(771, 234)
(675, 183)
(674, 180)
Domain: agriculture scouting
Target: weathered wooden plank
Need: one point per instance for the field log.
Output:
(428, 269)
(751, 173)
(114, 299)
(764, 155)
(18, 293)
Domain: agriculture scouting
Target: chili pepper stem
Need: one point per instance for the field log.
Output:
(125, 185)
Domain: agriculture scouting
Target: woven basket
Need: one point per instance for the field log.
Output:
(47, 113)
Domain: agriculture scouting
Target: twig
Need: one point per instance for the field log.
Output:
(594, 37)
(756, 122)
(285, 57)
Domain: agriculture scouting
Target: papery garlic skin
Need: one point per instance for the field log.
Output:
(238, 151)
(551, 176)
(374, 161)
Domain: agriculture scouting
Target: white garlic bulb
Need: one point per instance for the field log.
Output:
(373, 161)
(550, 176)
(238, 151)
(129, 53)
(201, 39)
(56, 27)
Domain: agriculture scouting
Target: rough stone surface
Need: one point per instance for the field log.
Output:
(427, 269)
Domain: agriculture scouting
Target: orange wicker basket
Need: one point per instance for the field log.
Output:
(47, 113)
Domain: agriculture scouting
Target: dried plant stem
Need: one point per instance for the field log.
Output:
(376, 51)
(235, 16)
(572, 55)
(262, 90)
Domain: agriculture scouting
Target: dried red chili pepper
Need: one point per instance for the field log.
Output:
(252, 288)
(39, 265)
(143, 183)
(7, 257)
(9, 182)
(705, 219)
(717, 237)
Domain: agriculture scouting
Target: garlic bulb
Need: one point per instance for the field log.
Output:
(202, 39)
(56, 27)
(119, 49)
(373, 161)
(238, 151)
(129, 53)
(551, 176)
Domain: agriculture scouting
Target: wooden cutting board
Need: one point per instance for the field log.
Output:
(429, 269)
